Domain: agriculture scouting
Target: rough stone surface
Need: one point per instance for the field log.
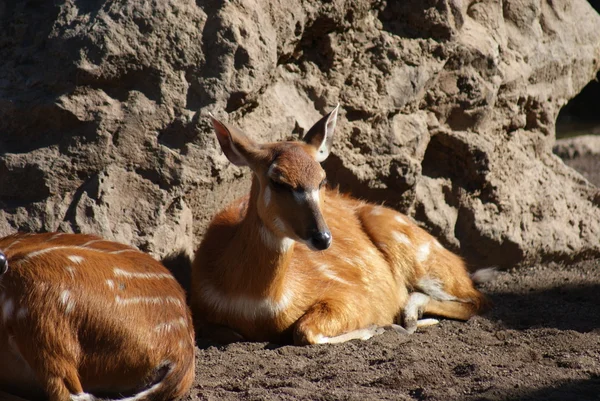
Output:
(448, 113)
(581, 153)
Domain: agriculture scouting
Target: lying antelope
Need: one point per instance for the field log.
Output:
(82, 316)
(296, 260)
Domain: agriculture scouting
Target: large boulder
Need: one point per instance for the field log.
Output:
(448, 110)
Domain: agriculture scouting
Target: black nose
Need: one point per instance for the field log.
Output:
(321, 240)
(3, 263)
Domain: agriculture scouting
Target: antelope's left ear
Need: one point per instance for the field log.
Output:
(320, 136)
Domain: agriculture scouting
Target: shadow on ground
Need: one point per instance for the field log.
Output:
(569, 307)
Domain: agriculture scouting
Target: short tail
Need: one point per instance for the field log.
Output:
(173, 381)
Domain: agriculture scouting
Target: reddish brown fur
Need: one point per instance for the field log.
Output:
(83, 340)
(364, 277)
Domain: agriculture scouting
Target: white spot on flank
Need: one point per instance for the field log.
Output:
(67, 301)
(377, 211)
(7, 309)
(401, 238)
(92, 242)
(55, 236)
(267, 196)
(172, 325)
(22, 312)
(71, 271)
(123, 251)
(10, 245)
(147, 300)
(434, 288)
(423, 252)
(244, 306)
(145, 276)
(400, 219)
(327, 272)
(110, 284)
(75, 259)
(70, 248)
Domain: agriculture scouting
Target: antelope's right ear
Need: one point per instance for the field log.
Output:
(235, 144)
(320, 136)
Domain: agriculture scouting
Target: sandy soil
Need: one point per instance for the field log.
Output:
(541, 341)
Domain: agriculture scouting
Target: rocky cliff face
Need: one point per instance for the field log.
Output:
(448, 111)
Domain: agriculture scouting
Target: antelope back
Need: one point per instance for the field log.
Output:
(114, 314)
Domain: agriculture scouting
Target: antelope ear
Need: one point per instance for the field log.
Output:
(234, 143)
(320, 136)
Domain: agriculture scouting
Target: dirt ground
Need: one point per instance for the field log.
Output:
(541, 341)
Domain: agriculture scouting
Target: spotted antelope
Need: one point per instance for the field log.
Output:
(83, 317)
(296, 261)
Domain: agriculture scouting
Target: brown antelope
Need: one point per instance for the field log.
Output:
(296, 260)
(81, 316)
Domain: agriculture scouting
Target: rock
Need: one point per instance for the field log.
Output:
(448, 114)
(583, 154)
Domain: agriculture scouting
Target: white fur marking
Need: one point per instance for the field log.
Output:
(401, 238)
(423, 252)
(71, 271)
(167, 327)
(273, 241)
(245, 306)
(327, 272)
(75, 259)
(7, 309)
(147, 300)
(416, 301)
(427, 322)
(144, 394)
(10, 245)
(71, 248)
(67, 301)
(400, 219)
(93, 242)
(110, 284)
(313, 196)
(145, 276)
(360, 334)
(123, 251)
(55, 236)
(377, 211)
(434, 288)
(267, 196)
(82, 397)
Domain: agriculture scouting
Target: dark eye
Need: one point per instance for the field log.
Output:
(279, 186)
(324, 182)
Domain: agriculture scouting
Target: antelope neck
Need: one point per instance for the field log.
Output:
(264, 252)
